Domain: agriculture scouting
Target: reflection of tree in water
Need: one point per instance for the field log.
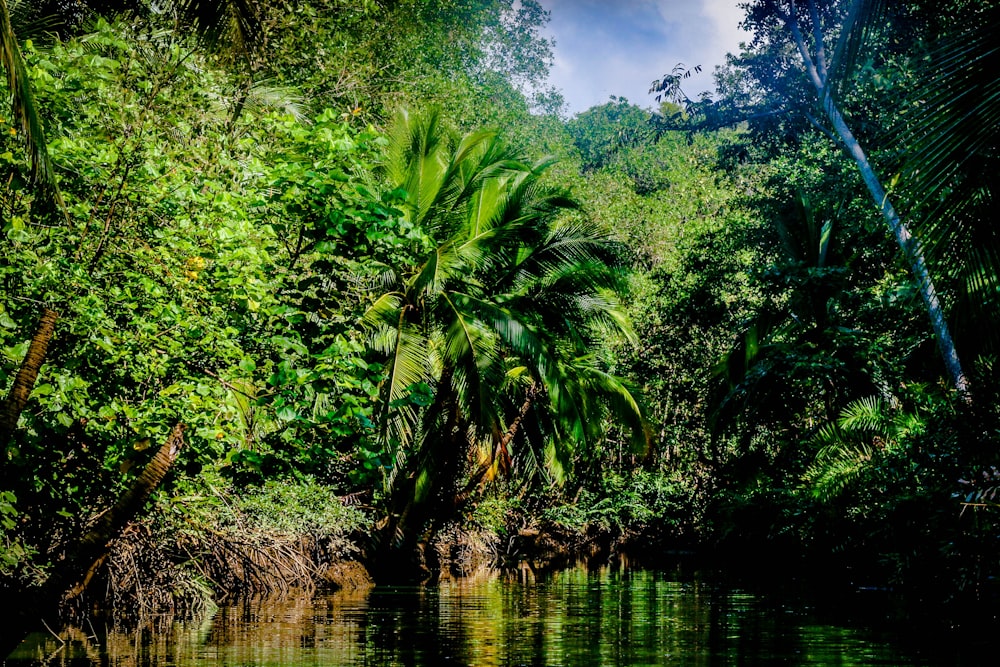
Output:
(401, 626)
(600, 616)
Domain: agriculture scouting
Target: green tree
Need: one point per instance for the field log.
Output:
(602, 132)
(186, 285)
(496, 325)
(806, 55)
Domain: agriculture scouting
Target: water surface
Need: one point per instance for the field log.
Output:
(575, 617)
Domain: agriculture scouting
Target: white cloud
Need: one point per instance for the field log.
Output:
(709, 29)
(617, 48)
(726, 17)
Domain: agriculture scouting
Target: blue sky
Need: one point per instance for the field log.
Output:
(617, 47)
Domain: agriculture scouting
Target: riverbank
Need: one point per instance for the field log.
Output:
(195, 551)
(206, 545)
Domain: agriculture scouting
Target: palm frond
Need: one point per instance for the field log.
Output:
(866, 433)
(958, 114)
(406, 368)
(484, 209)
(471, 350)
(558, 457)
(25, 111)
(384, 312)
(864, 415)
(515, 332)
(837, 469)
(575, 248)
(443, 266)
(621, 400)
(475, 149)
(231, 23)
(466, 334)
(606, 313)
(864, 22)
(829, 434)
(417, 160)
(951, 130)
(268, 93)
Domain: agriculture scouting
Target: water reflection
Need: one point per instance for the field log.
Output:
(574, 617)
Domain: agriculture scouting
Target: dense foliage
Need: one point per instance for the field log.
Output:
(695, 329)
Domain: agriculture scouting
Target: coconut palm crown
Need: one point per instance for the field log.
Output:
(497, 325)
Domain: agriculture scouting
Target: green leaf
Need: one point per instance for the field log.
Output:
(287, 413)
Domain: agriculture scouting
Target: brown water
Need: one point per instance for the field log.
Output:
(573, 617)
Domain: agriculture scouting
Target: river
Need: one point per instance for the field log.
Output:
(574, 617)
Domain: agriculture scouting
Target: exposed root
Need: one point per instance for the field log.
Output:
(142, 579)
(186, 570)
(461, 552)
(260, 564)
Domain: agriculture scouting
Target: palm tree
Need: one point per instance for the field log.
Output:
(496, 325)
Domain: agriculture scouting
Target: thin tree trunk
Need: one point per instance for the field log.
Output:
(501, 450)
(25, 615)
(24, 383)
(911, 250)
(818, 75)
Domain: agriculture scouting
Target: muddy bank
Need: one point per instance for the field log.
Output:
(459, 551)
(150, 572)
(147, 572)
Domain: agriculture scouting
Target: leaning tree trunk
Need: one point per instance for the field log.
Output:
(911, 250)
(816, 68)
(73, 572)
(24, 382)
(501, 451)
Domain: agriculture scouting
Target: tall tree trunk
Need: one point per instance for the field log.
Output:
(911, 250)
(24, 382)
(816, 68)
(23, 616)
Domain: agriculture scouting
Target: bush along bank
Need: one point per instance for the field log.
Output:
(209, 541)
(213, 542)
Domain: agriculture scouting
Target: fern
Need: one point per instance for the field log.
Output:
(836, 469)
(866, 434)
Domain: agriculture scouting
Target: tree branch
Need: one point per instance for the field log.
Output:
(791, 20)
(818, 39)
(829, 135)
